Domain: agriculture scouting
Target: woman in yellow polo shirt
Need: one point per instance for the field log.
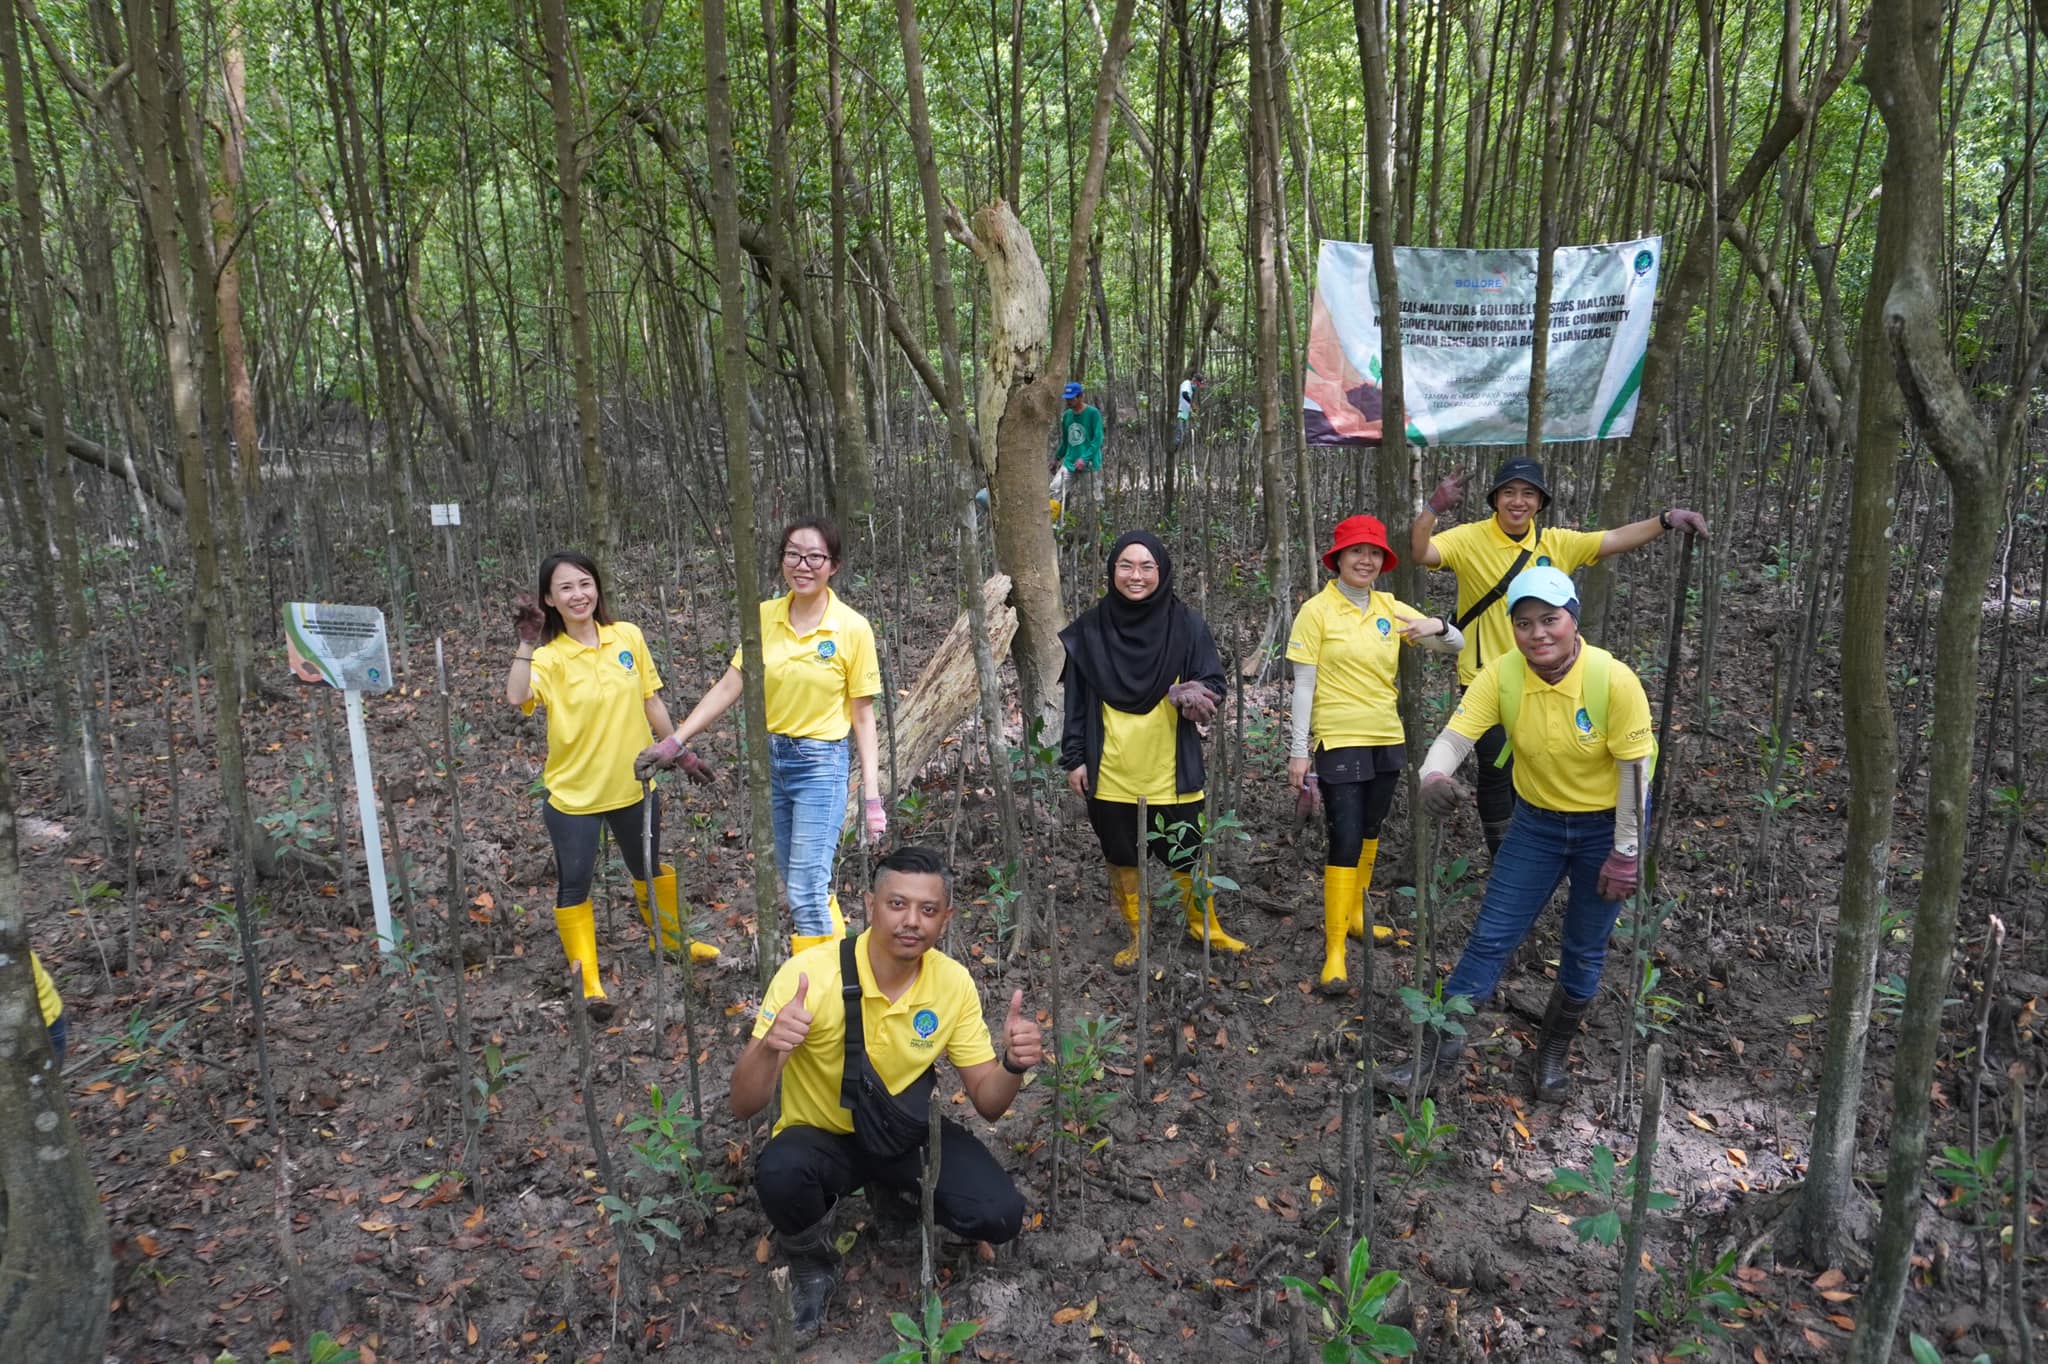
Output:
(1579, 726)
(1141, 674)
(822, 678)
(601, 690)
(1345, 648)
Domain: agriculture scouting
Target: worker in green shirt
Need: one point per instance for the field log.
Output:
(1080, 445)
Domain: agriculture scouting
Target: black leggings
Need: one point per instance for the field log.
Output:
(575, 839)
(1496, 784)
(1116, 826)
(1353, 811)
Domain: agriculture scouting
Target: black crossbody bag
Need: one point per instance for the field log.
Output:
(886, 1126)
(1500, 589)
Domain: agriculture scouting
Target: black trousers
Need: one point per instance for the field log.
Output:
(805, 1170)
(1116, 828)
(1496, 785)
(575, 840)
(1354, 811)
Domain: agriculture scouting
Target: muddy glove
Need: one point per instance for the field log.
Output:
(877, 820)
(1448, 493)
(665, 754)
(1442, 795)
(1310, 800)
(527, 621)
(1620, 874)
(1685, 519)
(1196, 701)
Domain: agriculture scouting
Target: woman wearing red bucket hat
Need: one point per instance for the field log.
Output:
(1345, 647)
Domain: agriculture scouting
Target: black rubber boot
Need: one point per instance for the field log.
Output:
(813, 1276)
(1561, 1019)
(1440, 1051)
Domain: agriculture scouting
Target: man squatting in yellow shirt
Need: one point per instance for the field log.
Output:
(1486, 555)
(834, 1136)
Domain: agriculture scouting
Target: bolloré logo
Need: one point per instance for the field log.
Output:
(1496, 280)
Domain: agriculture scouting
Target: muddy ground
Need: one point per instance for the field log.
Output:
(1202, 1183)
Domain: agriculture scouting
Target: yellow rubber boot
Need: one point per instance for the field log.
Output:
(838, 916)
(577, 926)
(1202, 918)
(1340, 902)
(1123, 893)
(1368, 853)
(671, 919)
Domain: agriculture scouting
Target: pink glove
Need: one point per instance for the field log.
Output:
(877, 819)
(1685, 519)
(1196, 701)
(1620, 874)
(1310, 800)
(695, 768)
(1448, 493)
(658, 756)
(527, 620)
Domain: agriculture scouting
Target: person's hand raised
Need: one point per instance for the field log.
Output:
(1023, 1042)
(793, 1024)
(527, 620)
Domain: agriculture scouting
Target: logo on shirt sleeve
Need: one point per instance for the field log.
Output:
(626, 659)
(925, 1022)
(826, 648)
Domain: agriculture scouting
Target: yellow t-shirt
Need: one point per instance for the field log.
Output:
(1479, 552)
(1355, 654)
(1139, 754)
(46, 991)
(939, 1012)
(813, 679)
(597, 717)
(1561, 761)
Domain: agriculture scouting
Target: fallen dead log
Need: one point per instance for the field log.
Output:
(943, 696)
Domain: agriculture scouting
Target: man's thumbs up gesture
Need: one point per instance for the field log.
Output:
(1023, 1044)
(793, 1024)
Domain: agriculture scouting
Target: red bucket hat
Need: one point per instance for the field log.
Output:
(1359, 530)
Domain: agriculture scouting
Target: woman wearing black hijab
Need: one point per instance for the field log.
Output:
(1142, 672)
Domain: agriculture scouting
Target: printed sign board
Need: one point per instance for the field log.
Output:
(445, 513)
(343, 646)
(1468, 338)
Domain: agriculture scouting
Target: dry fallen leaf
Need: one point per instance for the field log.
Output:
(1704, 1124)
(1833, 1278)
(1737, 1156)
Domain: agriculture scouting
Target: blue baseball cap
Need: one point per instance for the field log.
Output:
(1071, 391)
(1546, 584)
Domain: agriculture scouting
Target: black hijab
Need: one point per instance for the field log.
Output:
(1131, 651)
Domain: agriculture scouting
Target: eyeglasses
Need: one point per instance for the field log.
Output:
(793, 559)
(1137, 570)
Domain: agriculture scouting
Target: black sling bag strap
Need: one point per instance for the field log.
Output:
(1500, 589)
(881, 1126)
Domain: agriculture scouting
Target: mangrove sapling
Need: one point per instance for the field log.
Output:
(1639, 1201)
(930, 1340)
(1351, 1310)
(455, 900)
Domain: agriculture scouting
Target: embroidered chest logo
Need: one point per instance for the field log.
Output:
(1543, 561)
(1583, 721)
(626, 659)
(924, 1023)
(1385, 626)
(826, 648)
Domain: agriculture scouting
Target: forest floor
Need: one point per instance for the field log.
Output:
(1221, 1168)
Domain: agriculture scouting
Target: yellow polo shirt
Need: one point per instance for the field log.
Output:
(1561, 761)
(1479, 552)
(46, 991)
(813, 679)
(597, 717)
(1139, 756)
(1355, 654)
(940, 1013)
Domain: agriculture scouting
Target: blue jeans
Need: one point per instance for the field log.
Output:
(1542, 848)
(807, 799)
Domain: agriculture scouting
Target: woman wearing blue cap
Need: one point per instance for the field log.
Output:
(1486, 555)
(1578, 725)
(1080, 445)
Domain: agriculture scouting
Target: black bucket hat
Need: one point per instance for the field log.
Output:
(1527, 471)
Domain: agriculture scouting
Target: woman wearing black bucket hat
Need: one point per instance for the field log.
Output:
(1487, 555)
(1345, 647)
(1142, 672)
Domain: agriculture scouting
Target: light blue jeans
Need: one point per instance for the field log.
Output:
(807, 799)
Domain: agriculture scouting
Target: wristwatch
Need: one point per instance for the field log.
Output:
(1664, 518)
(1014, 1070)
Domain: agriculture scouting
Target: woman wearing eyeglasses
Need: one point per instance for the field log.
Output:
(1142, 673)
(822, 677)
